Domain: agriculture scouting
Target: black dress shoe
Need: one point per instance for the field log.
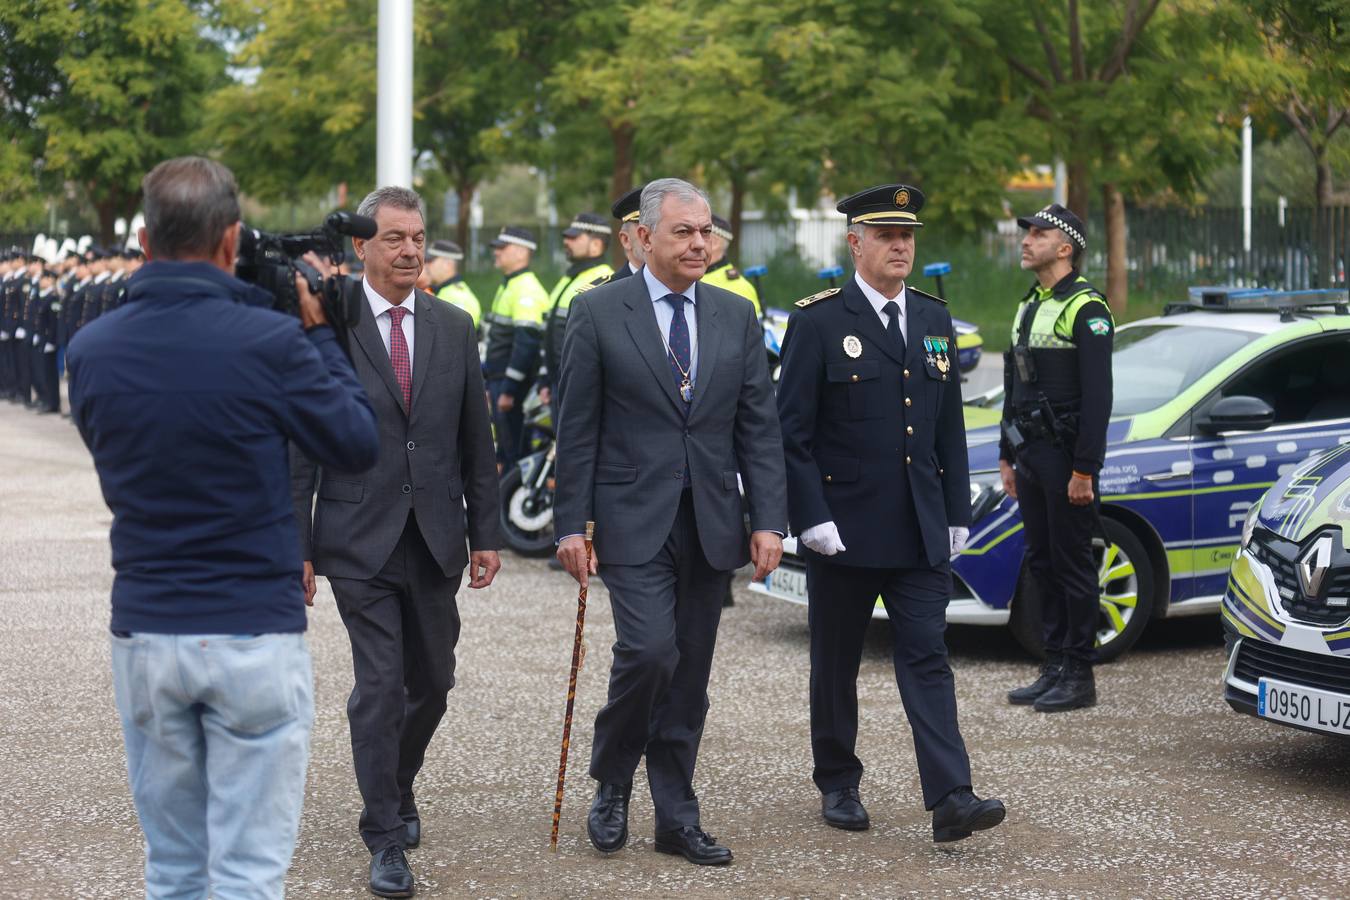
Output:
(694, 844)
(843, 809)
(1075, 689)
(1025, 696)
(607, 823)
(389, 873)
(961, 813)
(412, 829)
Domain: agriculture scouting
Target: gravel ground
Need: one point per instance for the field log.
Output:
(1160, 791)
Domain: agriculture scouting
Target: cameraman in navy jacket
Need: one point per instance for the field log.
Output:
(187, 395)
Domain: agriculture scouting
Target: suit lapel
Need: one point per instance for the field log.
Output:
(868, 322)
(368, 338)
(646, 333)
(709, 344)
(424, 333)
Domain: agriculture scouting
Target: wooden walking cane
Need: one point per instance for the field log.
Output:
(577, 653)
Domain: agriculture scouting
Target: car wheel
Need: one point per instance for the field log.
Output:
(1125, 581)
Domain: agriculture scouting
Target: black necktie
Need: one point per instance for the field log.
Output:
(892, 309)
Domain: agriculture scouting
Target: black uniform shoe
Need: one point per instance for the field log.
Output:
(412, 824)
(843, 809)
(961, 813)
(1025, 696)
(607, 823)
(694, 844)
(1075, 689)
(390, 875)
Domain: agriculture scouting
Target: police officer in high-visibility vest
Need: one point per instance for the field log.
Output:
(625, 209)
(443, 259)
(1057, 380)
(720, 271)
(515, 332)
(878, 492)
(585, 240)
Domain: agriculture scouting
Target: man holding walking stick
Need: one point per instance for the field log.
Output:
(665, 398)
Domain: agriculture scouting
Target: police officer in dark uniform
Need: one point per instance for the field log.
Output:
(879, 495)
(26, 312)
(1057, 401)
(9, 265)
(625, 209)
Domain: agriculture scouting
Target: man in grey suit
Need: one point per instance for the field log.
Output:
(665, 397)
(392, 540)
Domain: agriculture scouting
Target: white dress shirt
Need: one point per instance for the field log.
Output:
(665, 314)
(878, 300)
(379, 308)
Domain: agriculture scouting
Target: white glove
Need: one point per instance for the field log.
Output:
(48, 348)
(21, 333)
(957, 536)
(37, 338)
(823, 538)
(4, 335)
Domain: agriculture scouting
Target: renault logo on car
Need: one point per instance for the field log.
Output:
(1312, 568)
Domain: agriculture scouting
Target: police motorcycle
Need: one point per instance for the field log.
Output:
(527, 487)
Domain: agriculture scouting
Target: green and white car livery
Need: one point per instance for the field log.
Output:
(1286, 612)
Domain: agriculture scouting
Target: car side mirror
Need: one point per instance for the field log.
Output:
(1237, 413)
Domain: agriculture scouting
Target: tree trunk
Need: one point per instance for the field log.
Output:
(1078, 189)
(1323, 233)
(1117, 273)
(737, 213)
(107, 221)
(464, 190)
(621, 182)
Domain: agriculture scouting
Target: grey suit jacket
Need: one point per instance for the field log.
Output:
(623, 435)
(433, 459)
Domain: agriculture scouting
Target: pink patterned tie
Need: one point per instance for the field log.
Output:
(398, 354)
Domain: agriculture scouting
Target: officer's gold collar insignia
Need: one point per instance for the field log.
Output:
(852, 347)
(825, 294)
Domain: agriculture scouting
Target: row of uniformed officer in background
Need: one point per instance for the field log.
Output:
(42, 306)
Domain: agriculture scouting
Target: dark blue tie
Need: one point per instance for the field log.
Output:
(892, 309)
(678, 344)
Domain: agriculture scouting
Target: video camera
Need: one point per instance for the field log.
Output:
(271, 261)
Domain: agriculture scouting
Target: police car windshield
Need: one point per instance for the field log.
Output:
(1152, 364)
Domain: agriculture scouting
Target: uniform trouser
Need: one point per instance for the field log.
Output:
(7, 388)
(1059, 550)
(666, 613)
(509, 426)
(23, 369)
(49, 394)
(840, 605)
(403, 625)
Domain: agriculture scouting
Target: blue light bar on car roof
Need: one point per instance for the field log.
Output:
(1230, 297)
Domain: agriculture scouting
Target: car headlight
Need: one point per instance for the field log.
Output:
(986, 493)
(1249, 523)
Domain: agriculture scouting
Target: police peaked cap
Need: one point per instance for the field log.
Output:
(588, 223)
(514, 234)
(886, 204)
(627, 207)
(1063, 218)
(445, 250)
(722, 228)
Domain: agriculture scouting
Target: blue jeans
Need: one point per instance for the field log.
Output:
(217, 736)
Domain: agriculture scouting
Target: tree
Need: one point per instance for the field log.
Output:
(1125, 93)
(110, 90)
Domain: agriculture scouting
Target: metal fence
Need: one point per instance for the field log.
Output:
(1293, 247)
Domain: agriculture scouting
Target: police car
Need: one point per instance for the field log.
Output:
(1286, 610)
(1214, 401)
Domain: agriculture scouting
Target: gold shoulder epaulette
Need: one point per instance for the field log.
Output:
(927, 295)
(596, 283)
(823, 295)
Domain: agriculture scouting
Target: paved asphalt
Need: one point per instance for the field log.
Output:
(1160, 791)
